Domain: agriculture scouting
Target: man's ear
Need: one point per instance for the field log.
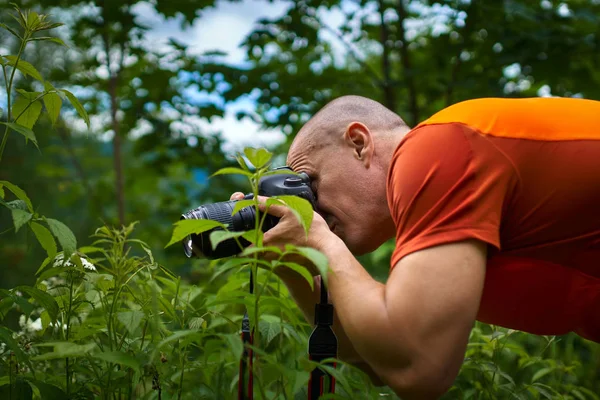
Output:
(359, 137)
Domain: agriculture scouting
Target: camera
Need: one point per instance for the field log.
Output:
(278, 184)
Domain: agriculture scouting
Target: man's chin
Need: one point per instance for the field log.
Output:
(357, 249)
(362, 248)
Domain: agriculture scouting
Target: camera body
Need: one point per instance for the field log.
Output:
(278, 184)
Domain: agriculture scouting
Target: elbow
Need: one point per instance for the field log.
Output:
(421, 383)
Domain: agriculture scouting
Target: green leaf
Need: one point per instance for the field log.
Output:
(65, 236)
(232, 171)
(131, 320)
(189, 335)
(51, 39)
(17, 191)
(48, 391)
(28, 133)
(11, 30)
(1, 109)
(545, 391)
(301, 208)
(25, 67)
(257, 157)
(75, 103)
(64, 349)
(19, 390)
(45, 238)
(120, 358)
(20, 218)
(269, 330)
(540, 374)
(48, 26)
(197, 323)
(255, 249)
(33, 19)
(45, 317)
(53, 103)
(21, 19)
(303, 271)
(578, 394)
(236, 347)
(217, 237)
(187, 227)
(241, 204)
(44, 299)
(26, 112)
(317, 258)
(6, 337)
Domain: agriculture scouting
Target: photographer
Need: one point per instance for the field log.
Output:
(493, 205)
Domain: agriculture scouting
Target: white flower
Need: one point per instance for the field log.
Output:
(36, 325)
(87, 264)
(59, 261)
(28, 326)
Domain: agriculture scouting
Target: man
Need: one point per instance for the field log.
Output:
(493, 204)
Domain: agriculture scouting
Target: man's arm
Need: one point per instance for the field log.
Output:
(412, 331)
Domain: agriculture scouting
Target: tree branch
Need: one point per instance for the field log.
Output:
(351, 51)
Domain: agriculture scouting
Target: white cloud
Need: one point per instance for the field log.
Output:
(221, 28)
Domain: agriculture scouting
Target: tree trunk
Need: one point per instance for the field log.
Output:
(117, 148)
(117, 144)
(387, 84)
(413, 104)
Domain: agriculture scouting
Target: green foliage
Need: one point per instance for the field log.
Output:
(24, 111)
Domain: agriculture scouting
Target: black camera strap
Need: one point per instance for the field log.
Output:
(245, 379)
(322, 345)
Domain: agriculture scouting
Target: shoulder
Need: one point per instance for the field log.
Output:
(442, 151)
(524, 118)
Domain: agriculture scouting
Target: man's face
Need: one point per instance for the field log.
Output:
(351, 198)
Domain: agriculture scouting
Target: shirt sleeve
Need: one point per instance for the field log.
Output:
(446, 183)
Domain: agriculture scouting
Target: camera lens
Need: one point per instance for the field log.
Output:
(199, 244)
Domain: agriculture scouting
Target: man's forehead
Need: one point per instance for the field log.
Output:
(303, 157)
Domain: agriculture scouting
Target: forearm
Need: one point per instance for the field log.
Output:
(392, 352)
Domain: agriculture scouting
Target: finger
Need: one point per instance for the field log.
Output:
(276, 208)
(237, 196)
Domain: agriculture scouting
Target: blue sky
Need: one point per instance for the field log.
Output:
(221, 28)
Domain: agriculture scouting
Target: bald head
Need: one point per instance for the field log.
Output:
(327, 126)
(346, 150)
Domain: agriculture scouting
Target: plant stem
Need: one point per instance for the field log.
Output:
(182, 372)
(68, 330)
(8, 90)
(10, 375)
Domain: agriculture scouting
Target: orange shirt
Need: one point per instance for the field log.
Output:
(522, 175)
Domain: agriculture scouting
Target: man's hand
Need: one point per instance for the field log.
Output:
(289, 230)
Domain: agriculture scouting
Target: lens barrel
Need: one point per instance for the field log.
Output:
(199, 244)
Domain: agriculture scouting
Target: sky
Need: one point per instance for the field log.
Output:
(221, 28)
(224, 28)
